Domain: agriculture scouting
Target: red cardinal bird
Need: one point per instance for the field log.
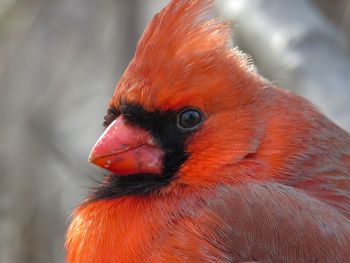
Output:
(209, 162)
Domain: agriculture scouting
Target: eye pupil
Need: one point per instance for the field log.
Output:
(189, 119)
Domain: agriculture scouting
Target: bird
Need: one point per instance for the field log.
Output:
(208, 161)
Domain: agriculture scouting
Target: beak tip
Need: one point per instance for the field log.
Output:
(92, 157)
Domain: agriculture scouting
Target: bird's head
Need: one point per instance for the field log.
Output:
(187, 107)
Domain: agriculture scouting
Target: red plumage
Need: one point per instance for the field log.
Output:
(210, 162)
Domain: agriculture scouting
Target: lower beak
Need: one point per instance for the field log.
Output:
(125, 150)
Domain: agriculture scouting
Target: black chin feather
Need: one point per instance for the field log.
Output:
(136, 185)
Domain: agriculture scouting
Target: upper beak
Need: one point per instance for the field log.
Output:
(125, 150)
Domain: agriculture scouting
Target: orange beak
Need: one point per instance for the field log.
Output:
(126, 150)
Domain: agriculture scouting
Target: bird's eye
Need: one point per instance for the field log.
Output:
(189, 119)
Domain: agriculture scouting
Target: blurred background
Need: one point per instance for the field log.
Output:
(60, 61)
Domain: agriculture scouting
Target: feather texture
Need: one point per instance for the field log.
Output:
(265, 178)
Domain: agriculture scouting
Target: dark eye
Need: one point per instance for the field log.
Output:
(189, 119)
